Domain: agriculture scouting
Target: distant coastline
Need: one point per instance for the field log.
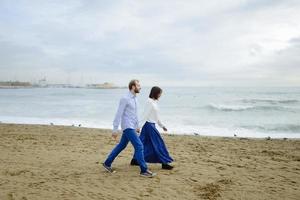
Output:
(14, 84)
(21, 85)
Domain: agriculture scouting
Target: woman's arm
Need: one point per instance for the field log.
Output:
(160, 124)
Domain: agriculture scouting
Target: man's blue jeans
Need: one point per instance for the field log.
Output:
(129, 135)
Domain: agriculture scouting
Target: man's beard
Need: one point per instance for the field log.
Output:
(136, 90)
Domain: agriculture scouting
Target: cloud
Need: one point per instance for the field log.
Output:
(170, 42)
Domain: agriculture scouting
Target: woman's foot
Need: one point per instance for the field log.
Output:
(166, 166)
(134, 162)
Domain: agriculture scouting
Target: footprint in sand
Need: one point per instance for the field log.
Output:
(212, 191)
(10, 196)
(209, 191)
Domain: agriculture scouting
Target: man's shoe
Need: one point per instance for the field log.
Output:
(167, 166)
(107, 168)
(134, 162)
(148, 174)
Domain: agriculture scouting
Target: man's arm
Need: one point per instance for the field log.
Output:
(120, 111)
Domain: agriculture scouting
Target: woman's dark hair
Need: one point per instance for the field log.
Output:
(155, 91)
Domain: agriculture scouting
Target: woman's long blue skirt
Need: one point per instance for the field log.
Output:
(155, 150)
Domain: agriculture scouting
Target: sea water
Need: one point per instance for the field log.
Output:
(217, 111)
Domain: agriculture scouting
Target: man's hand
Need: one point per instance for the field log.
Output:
(165, 129)
(114, 135)
(138, 130)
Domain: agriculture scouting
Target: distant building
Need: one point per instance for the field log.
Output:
(105, 85)
(42, 82)
(14, 84)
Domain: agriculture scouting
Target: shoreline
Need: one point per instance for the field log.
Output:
(61, 162)
(266, 136)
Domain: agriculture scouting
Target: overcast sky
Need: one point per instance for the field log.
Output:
(180, 43)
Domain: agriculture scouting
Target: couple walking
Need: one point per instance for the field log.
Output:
(149, 146)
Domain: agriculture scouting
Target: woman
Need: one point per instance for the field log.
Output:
(155, 150)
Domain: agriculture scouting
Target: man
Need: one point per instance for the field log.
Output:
(127, 114)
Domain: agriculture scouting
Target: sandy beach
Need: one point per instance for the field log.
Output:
(59, 162)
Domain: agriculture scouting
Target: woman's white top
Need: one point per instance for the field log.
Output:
(151, 113)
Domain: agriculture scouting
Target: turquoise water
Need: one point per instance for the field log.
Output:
(246, 112)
